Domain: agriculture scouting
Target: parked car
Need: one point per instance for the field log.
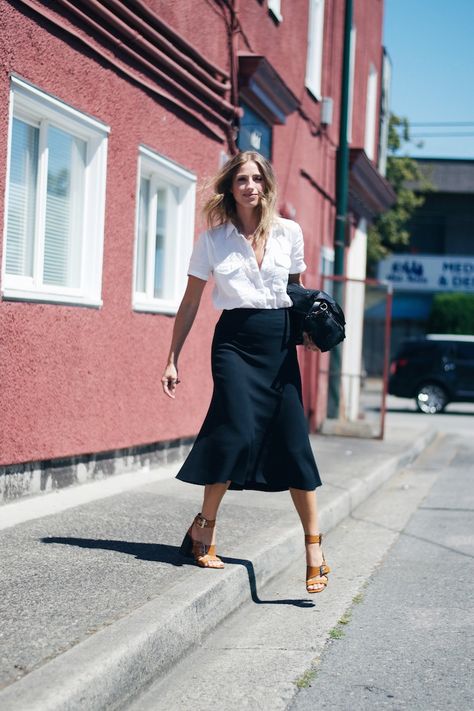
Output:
(435, 370)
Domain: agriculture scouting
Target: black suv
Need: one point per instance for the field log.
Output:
(435, 370)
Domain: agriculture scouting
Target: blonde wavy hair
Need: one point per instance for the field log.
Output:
(221, 208)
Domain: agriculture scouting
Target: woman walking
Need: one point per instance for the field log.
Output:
(254, 435)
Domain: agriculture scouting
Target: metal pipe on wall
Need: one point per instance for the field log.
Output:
(189, 48)
(127, 71)
(173, 54)
(217, 101)
(342, 192)
(173, 67)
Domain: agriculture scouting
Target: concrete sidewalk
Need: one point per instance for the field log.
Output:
(96, 601)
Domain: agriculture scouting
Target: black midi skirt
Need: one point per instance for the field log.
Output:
(255, 432)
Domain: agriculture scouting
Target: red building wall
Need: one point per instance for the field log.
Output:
(80, 380)
(368, 21)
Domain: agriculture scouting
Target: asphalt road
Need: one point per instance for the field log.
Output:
(392, 631)
(409, 643)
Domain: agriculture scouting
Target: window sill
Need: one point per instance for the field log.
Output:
(168, 308)
(50, 298)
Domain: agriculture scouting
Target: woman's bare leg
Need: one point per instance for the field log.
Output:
(306, 506)
(213, 495)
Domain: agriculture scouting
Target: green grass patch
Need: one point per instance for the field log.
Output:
(357, 599)
(336, 633)
(305, 679)
(346, 618)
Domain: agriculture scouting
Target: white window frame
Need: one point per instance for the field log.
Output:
(352, 61)
(274, 7)
(326, 267)
(162, 170)
(32, 105)
(371, 112)
(314, 60)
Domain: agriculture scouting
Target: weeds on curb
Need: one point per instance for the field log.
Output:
(336, 633)
(346, 618)
(305, 679)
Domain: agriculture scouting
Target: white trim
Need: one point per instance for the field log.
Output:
(327, 253)
(31, 105)
(274, 6)
(352, 58)
(41, 185)
(169, 165)
(314, 60)
(164, 173)
(158, 306)
(7, 188)
(23, 294)
(22, 85)
(371, 113)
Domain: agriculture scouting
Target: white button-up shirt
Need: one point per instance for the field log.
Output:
(239, 283)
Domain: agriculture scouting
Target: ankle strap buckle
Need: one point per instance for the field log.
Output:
(203, 522)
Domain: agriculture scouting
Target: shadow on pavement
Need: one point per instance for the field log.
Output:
(163, 553)
(156, 552)
(248, 565)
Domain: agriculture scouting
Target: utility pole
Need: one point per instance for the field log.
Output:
(342, 192)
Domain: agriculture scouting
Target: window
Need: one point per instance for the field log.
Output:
(314, 62)
(55, 201)
(371, 113)
(255, 134)
(352, 55)
(384, 111)
(275, 8)
(164, 232)
(326, 268)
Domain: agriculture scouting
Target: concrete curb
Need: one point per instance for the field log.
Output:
(116, 663)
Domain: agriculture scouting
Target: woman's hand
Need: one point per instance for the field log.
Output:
(182, 325)
(170, 380)
(308, 343)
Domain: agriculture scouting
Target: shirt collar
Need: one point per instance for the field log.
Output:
(230, 228)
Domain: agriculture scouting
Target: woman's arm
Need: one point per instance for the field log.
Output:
(295, 279)
(184, 320)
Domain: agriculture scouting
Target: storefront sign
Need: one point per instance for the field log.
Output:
(428, 273)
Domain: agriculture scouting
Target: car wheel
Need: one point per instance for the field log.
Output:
(431, 398)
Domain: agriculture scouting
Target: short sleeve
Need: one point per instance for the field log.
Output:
(199, 265)
(297, 251)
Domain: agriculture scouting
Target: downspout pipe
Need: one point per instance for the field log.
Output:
(233, 40)
(342, 194)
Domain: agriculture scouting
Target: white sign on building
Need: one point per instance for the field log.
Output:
(421, 272)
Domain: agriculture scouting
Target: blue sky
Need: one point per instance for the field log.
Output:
(431, 46)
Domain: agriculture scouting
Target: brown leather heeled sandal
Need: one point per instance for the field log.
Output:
(202, 553)
(316, 574)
